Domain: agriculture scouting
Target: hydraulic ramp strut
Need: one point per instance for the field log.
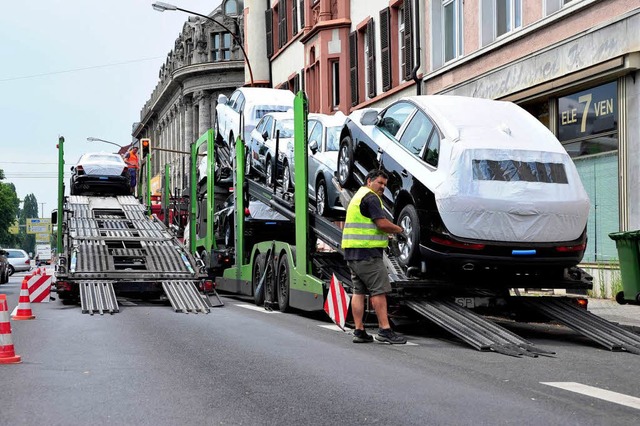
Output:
(480, 333)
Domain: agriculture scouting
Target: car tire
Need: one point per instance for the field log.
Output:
(345, 162)
(287, 185)
(232, 151)
(228, 234)
(409, 250)
(269, 174)
(247, 162)
(322, 203)
(11, 270)
(282, 281)
(258, 271)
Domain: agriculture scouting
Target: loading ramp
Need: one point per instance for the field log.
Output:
(601, 331)
(473, 329)
(185, 297)
(98, 297)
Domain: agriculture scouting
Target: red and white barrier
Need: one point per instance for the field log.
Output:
(39, 287)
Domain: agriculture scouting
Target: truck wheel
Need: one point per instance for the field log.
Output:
(258, 271)
(620, 298)
(345, 162)
(283, 283)
(409, 249)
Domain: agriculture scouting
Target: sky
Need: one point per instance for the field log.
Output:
(77, 69)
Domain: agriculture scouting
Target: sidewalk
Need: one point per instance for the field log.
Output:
(625, 315)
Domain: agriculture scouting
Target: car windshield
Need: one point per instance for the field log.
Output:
(333, 138)
(285, 127)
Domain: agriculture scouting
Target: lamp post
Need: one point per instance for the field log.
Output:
(92, 139)
(161, 7)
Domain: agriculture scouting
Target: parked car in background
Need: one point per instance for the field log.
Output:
(100, 173)
(324, 141)
(480, 186)
(261, 145)
(4, 267)
(253, 103)
(19, 260)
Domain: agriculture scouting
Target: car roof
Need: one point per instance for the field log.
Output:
(256, 95)
(281, 115)
(487, 123)
(332, 120)
(115, 157)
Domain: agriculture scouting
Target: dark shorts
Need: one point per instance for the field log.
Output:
(369, 276)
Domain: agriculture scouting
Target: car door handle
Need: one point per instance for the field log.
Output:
(404, 173)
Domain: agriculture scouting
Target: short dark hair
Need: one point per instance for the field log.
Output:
(376, 173)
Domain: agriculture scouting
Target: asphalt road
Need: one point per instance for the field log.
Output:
(239, 365)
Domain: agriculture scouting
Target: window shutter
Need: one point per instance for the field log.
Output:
(371, 60)
(282, 23)
(301, 14)
(408, 43)
(296, 83)
(294, 17)
(353, 67)
(268, 17)
(385, 50)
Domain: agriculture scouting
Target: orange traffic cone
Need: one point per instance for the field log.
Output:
(24, 303)
(7, 352)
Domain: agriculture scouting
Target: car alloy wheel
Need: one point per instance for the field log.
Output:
(409, 249)
(321, 198)
(345, 161)
(270, 178)
(286, 178)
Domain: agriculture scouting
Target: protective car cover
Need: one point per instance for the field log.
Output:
(505, 177)
(102, 164)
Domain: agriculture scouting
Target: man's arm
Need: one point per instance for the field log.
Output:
(387, 226)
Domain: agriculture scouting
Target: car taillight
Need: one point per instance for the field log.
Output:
(457, 244)
(247, 212)
(569, 249)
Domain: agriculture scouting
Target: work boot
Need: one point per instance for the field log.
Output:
(387, 335)
(361, 336)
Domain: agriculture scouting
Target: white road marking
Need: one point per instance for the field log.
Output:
(257, 308)
(334, 327)
(615, 397)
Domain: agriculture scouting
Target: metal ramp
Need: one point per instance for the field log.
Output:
(98, 296)
(185, 297)
(480, 333)
(601, 331)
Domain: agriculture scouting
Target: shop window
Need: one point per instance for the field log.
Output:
(499, 17)
(588, 129)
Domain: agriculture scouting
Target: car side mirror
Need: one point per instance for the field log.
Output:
(73, 168)
(265, 136)
(222, 99)
(4, 252)
(369, 118)
(313, 146)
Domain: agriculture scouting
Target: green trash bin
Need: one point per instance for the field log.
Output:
(628, 245)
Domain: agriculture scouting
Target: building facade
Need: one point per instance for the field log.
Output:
(205, 61)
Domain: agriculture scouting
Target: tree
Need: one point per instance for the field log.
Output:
(9, 207)
(29, 210)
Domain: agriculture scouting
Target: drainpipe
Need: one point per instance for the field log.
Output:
(414, 72)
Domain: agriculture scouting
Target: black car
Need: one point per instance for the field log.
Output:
(4, 267)
(478, 185)
(100, 173)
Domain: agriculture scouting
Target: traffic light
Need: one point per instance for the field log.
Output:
(146, 146)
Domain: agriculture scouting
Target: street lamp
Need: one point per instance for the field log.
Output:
(92, 139)
(161, 7)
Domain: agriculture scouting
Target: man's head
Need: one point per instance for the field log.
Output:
(377, 181)
(135, 149)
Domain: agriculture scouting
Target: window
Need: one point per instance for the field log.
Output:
(232, 7)
(315, 134)
(353, 68)
(268, 122)
(452, 29)
(394, 117)
(516, 171)
(282, 22)
(232, 99)
(385, 48)
(335, 84)
(499, 17)
(268, 20)
(552, 6)
(415, 136)
(333, 138)
(587, 126)
(238, 105)
(370, 58)
(220, 46)
(433, 149)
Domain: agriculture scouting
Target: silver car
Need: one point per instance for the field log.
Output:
(324, 141)
(19, 260)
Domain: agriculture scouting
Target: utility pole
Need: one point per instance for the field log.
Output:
(42, 209)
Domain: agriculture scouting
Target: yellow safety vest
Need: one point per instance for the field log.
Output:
(360, 231)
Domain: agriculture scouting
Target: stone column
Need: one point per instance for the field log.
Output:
(189, 137)
(204, 108)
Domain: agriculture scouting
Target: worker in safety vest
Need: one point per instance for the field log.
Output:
(364, 238)
(131, 158)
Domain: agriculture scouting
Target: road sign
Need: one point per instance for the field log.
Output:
(43, 238)
(38, 225)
